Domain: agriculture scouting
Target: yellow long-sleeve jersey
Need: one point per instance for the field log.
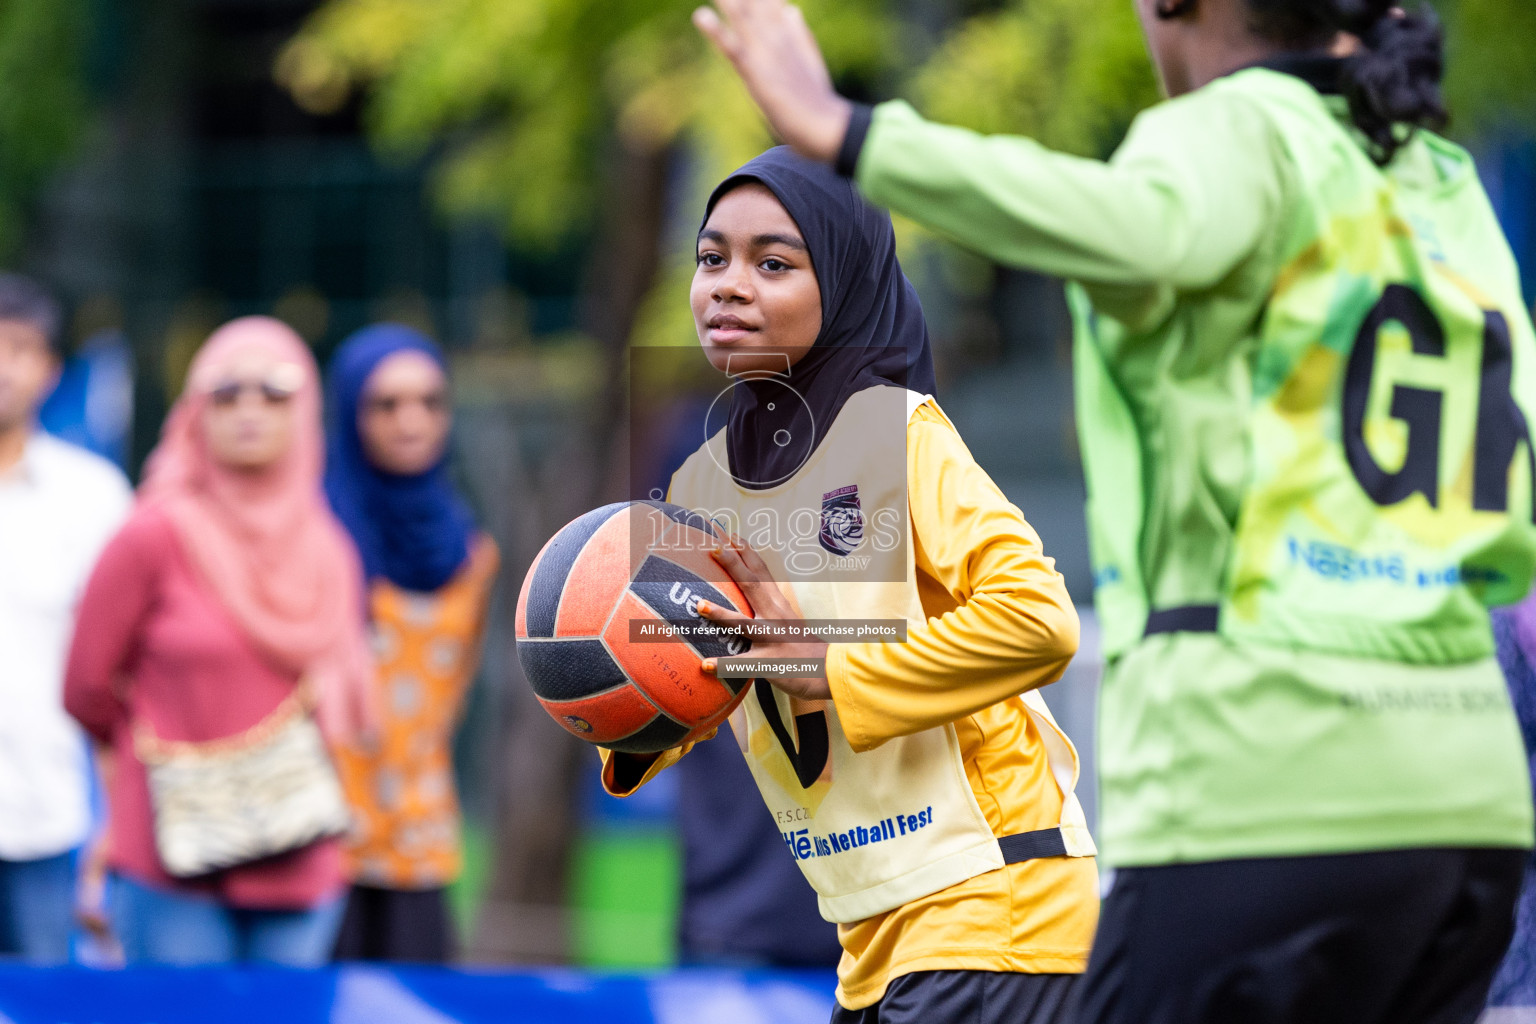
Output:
(996, 622)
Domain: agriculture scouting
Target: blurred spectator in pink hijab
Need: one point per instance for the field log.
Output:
(220, 623)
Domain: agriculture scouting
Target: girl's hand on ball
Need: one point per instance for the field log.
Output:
(777, 58)
(755, 579)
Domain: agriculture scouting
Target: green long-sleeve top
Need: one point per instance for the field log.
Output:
(1298, 384)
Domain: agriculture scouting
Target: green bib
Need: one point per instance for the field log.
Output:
(1306, 486)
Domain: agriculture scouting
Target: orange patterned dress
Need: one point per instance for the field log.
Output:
(405, 832)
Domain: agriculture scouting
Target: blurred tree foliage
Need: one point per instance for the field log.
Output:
(43, 100)
(1491, 77)
(1070, 73)
(526, 98)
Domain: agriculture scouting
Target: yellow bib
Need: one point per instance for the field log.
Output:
(873, 830)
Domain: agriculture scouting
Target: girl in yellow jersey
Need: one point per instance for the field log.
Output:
(921, 785)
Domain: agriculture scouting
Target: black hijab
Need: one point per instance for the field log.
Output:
(872, 327)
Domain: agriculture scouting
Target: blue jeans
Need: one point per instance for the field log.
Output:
(37, 908)
(159, 927)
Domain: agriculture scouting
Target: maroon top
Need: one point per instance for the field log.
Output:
(153, 644)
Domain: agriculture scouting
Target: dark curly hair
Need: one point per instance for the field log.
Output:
(23, 299)
(1392, 81)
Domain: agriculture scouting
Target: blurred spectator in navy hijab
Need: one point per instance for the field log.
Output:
(430, 571)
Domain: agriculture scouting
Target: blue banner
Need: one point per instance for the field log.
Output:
(402, 995)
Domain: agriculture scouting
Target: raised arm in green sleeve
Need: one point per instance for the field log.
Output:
(1190, 194)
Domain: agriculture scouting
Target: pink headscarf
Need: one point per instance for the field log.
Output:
(266, 542)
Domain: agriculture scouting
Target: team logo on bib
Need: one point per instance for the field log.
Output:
(842, 520)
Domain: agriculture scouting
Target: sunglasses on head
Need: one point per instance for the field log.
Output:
(277, 387)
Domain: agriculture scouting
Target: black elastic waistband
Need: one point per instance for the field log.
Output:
(1190, 618)
(1045, 842)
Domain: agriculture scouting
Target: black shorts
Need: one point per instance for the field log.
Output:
(1400, 937)
(969, 997)
(405, 926)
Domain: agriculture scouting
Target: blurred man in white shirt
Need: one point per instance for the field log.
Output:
(58, 506)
